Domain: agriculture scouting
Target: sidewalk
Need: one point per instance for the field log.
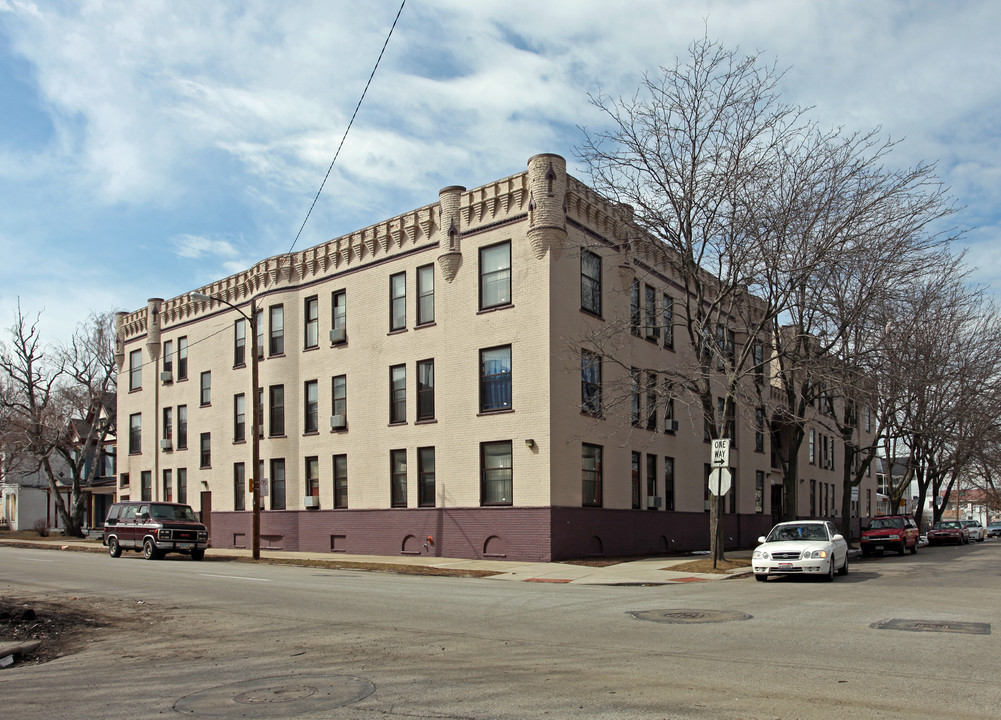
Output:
(646, 571)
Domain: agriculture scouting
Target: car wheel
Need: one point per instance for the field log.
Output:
(829, 577)
(760, 577)
(903, 547)
(149, 550)
(844, 568)
(198, 554)
(914, 547)
(114, 549)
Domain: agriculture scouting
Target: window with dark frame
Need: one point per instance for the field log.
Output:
(277, 494)
(311, 407)
(311, 317)
(312, 479)
(340, 463)
(398, 478)
(205, 395)
(168, 425)
(168, 358)
(339, 392)
(651, 478)
(168, 485)
(205, 450)
(338, 324)
(670, 425)
(276, 338)
(239, 486)
(240, 343)
(590, 383)
(634, 308)
(135, 370)
(652, 328)
(635, 467)
(591, 479)
(425, 390)
(668, 483)
(276, 404)
(495, 275)
(667, 313)
(590, 282)
(495, 379)
(634, 397)
(425, 295)
(496, 473)
(135, 434)
(239, 418)
(759, 491)
(260, 412)
(397, 301)
(182, 358)
(182, 485)
(425, 477)
(146, 485)
(397, 394)
(651, 401)
(182, 427)
(259, 324)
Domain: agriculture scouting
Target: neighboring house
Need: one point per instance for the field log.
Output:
(423, 387)
(101, 489)
(25, 498)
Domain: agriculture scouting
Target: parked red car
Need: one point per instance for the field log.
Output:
(890, 532)
(948, 531)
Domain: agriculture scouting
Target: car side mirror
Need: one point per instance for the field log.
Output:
(761, 539)
(838, 536)
(144, 517)
(864, 528)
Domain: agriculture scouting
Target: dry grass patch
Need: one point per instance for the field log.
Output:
(705, 565)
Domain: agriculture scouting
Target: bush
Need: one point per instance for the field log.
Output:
(42, 528)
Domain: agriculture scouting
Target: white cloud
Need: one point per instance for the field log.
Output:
(197, 247)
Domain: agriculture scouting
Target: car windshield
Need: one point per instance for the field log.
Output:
(951, 525)
(882, 523)
(803, 531)
(970, 523)
(172, 512)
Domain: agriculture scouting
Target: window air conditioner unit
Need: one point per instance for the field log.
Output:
(165, 444)
(338, 422)
(310, 502)
(167, 376)
(654, 501)
(671, 426)
(338, 335)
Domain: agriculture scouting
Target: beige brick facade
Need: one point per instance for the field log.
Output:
(545, 218)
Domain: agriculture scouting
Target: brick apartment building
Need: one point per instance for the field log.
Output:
(422, 378)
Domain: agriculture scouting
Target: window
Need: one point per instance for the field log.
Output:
(168, 426)
(868, 419)
(278, 484)
(338, 323)
(652, 328)
(651, 478)
(759, 491)
(496, 473)
(311, 315)
(182, 485)
(397, 302)
(168, 482)
(205, 450)
(260, 412)
(182, 427)
(669, 483)
(651, 401)
(398, 478)
(591, 487)
(634, 397)
(259, 334)
(495, 379)
(340, 481)
(667, 313)
(590, 383)
(135, 370)
(276, 404)
(135, 434)
(168, 358)
(425, 390)
(813, 498)
(590, 282)
(124, 480)
(206, 388)
(634, 308)
(146, 485)
(758, 358)
(495, 275)
(425, 477)
(276, 341)
(397, 394)
(425, 294)
(759, 430)
(311, 419)
(239, 486)
(240, 343)
(813, 446)
(339, 391)
(239, 418)
(182, 358)
(312, 476)
(670, 424)
(635, 467)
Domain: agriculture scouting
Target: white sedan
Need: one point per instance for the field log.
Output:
(801, 547)
(977, 531)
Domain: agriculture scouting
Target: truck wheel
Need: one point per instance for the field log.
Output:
(149, 550)
(914, 547)
(198, 554)
(114, 549)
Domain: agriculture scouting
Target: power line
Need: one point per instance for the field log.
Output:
(348, 128)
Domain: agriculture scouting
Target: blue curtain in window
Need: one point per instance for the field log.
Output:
(496, 384)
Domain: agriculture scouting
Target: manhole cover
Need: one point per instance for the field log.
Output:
(949, 626)
(298, 695)
(690, 617)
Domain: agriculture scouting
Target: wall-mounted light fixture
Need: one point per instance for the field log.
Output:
(530, 442)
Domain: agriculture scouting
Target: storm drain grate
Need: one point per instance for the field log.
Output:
(689, 617)
(287, 696)
(948, 626)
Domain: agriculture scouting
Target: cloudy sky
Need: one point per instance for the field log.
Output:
(147, 148)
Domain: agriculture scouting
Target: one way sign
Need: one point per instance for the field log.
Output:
(721, 452)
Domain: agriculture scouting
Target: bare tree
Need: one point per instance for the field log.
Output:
(44, 391)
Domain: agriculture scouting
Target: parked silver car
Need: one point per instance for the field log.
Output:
(977, 531)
